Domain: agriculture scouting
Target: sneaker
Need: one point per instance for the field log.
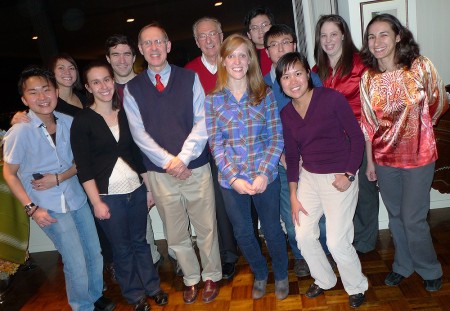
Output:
(259, 288)
(393, 279)
(433, 285)
(141, 305)
(301, 268)
(282, 289)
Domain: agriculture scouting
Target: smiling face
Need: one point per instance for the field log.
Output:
(154, 46)
(331, 39)
(65, 73)
(39, 95)
(285, 44)
(382, 40)
(211, 44)
(121, 59)
(294, 81)
(236, 63)
(100, 84)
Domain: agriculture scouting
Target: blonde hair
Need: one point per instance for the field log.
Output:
(256, 87)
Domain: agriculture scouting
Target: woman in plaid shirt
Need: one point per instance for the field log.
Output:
(245, 137)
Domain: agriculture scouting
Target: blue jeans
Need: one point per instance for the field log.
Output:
(267, 205)
(75, 238)
(286, 216)
(126, 230)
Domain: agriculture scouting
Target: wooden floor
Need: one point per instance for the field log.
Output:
(43, 288)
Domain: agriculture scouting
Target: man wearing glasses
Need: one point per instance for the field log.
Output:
(164, 106)
(208, 37)
(257, 22)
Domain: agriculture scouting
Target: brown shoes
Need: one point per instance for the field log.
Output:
(190, 293)
(210, 291)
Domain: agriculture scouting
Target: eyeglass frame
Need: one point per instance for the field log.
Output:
(261, 26)
(156, 42)
(282, 43)
(204, 36)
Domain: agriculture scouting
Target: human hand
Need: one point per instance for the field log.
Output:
(370, 172)
(259, 184)
(20, 117)
(296, 208)
(150, 200)
(341, 182)
(44, 183)
(42, 218)
(241, 186)
(177, 169)
(101, 210)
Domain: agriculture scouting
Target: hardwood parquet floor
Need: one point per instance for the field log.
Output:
(43, 287)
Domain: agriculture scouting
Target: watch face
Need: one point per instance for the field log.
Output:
(351, 178)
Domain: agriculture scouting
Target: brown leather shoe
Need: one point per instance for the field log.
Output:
(210, 291)
(190, 293)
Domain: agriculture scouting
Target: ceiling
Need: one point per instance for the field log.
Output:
(81, 27)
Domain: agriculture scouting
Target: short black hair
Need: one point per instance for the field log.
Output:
(255, 12)
(290, 59)
(117, 39)
(35, 71)
(279, 30)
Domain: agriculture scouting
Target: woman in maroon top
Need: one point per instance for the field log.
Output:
(319, 127)
(339, 67)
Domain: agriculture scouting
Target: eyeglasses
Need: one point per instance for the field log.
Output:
(275, 44)
(148, 43)
(263, 26)
(212, 34)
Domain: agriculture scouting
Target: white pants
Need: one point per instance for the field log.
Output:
(318, 196)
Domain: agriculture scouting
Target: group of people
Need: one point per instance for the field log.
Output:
(248, 129)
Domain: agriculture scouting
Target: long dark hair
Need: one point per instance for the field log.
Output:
(90, 96)
(406, 50)
(345, 63)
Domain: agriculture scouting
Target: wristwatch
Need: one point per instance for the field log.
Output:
(29, 206)
(350, 177)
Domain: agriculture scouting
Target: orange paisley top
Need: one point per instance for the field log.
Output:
(399, 109)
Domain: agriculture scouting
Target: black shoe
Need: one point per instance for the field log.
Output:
(433, 285)
(161, 298)
(159, 263)
(141, 305)
(314, 291)
(356, 300)
(228, 270)
(301, 268)
(393, 279)
(27, 265)
(104, 304)
(176, 266)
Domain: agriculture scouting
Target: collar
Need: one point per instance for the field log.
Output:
(211, 68)
(273, 76)
(165, 74)
(36, 122)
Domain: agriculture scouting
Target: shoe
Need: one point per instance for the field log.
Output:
(259, 288)
(161, 298)
(301, 268)
(159, 263)
(356, 300)
(282, 289)
(210, 291)
(433, 285)
(190, 293)
(104, 304)
(27, 265)
(393, 279)
(177, 268)
(142, 305)
(332, 262)
(228, 270)
(314, 291)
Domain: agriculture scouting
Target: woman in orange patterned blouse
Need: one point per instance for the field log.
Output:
(402, 98)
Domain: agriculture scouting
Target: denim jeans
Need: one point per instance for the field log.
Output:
(75, 238)
(286, 217)
(126, 230)
(267, 205)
